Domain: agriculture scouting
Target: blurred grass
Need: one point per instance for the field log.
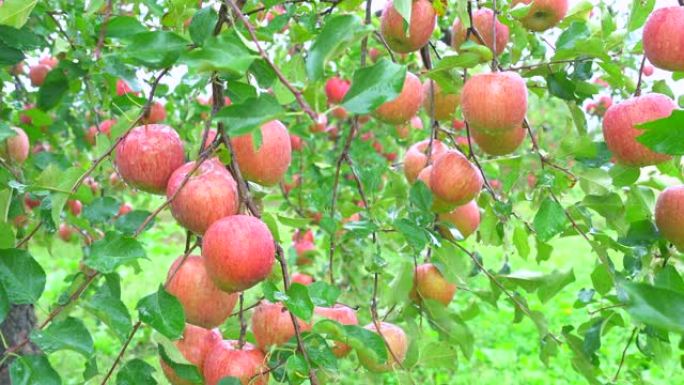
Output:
(505, 353)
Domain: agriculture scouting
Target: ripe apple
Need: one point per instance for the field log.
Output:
(49, 61)
(416, 158)
(122, 88)
(395, 340)
(405, 106)
(296, 142)
(75, 206)
(157, 114)
(209, 195)
(466, 219)
(148, 156)
(16, 148)
(335, 89)
(392, 26)
(227, 359)
(239, 252)
(305, 247)
(445, 104)
(457, 124)
(205, 304)
(272, 325)
(620, 133)
(500, 143)
(669, 213)
(195, 345)
(37, 74)
(648, 70)
(304, 279)
(494, 102)
(65, 232)
(105, 128)
(543, 14)
(663, 38)
(345, 316)
(454, 179)
(267, 165)
(438, 205)
(320, 124)
(428, 283)
(482, 21)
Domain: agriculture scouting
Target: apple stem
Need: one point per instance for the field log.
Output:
(243, 324)
(495, 63)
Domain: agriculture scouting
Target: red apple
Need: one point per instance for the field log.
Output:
(416, 158)
(345, 316)
(195, 345)
(37, 74)
(335, 89)
(543, 14)
(428, 283)
(148, 156)
(272, 325)
(227, 359)
(454, 179)
(494, 102)
(267, 165)
(482, 21)
(239, 252)
(466, 219)
(65, 232)
(438, 205)
(620, 133)
(157, 114)
(663, 38)
(205, 304)
(457, 124)
(374, 54)
(396, 342)
(75, 206)
(30, 202)
(648, 70)
(124, 209)
(393, 26)
(340, 113)
(105, 128)
(49, 61)
(16, 148)
(209, 195)
(296, 142)
(402, 108)
(500, 143)
(302, 278)
(669, 213)
(445, 104)
(122, 88)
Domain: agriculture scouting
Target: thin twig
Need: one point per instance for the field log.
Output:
(29, 236)
(624, 351)
(637, 92)
(122, 352)
(103, 29)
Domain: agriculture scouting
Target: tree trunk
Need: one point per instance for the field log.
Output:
(17, 326)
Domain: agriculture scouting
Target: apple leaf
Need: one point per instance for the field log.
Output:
(224, 53)
(21, 276)
(244, 117)
(666, 135)
(33, 369)
(338, 31)
(69, 334)
(656, 306)
(15, 13)
(156, 49)
(53, 89)
(136, 372)
(373, 86)
(363, 341)
(550, 220)
(107, 306)
(186, 372)
(114, 250)
(299, 302)
(202, 24)
(639, 13)
(123, 27)
(163, 312)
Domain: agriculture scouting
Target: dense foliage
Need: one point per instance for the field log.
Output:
(466, 183)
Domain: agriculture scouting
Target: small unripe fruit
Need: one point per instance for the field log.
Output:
(239, 252)
(208, 195)
(205, 305)
(392, 26)
(148, 156)
(65, 232)
(402, 108)
(124, 209)
(669, 215)
(75, 206)
(335, 89)
(620, 131)
(397, 341)
(267, 165)
(482, 21)
(302, 278)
